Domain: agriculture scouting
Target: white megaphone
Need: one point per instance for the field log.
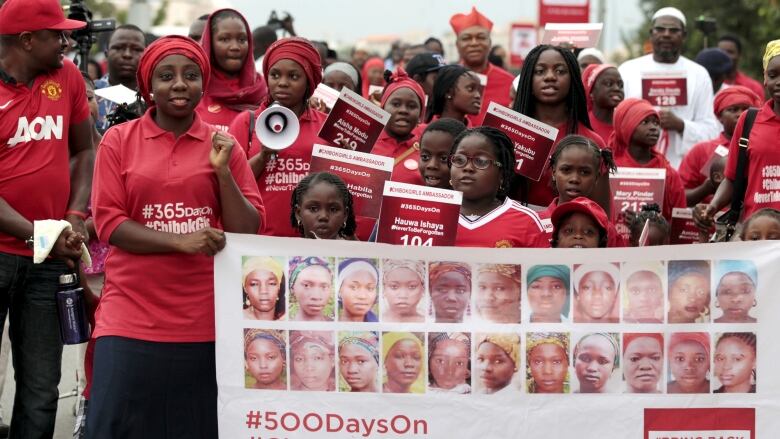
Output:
(277, 127)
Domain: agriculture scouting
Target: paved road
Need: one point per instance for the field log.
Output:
(65, 418)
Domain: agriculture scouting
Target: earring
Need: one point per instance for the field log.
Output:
(755, 303)
(151, 96)
(450, 182)
(717, 305)
(449, 97)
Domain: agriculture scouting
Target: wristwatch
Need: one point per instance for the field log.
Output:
(30, 242)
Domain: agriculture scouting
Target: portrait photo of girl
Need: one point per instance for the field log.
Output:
(735, 362)
(404, 362)
(449, 362)
(547, 362)
(735, 293)
(312, 366)
(263, 286)
(403, 291)
(358, 289)
(358, 361)
(497, 294)
(450, 287)
(596, 359)
(497, 363)
(265, 359)
(311, 288)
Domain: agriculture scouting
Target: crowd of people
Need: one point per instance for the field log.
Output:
(153, 196)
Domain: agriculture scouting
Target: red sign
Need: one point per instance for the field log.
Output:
(572, 34)
(564, 11)
(418, 215)
(632, 188)
(354, 120)
(700, 423)
(522, 38)
(365, 174)
(665, 89)
(533, 139)
(683, 229)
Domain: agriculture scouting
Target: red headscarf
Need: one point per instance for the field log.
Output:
(251, 85)
(735, 95)
(628, 115)
(400, 79)
(163, 48)
(589, 77)
(371, 63)
(302, 52)
(460, 22)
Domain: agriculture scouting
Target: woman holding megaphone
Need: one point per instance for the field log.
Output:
(292, 69)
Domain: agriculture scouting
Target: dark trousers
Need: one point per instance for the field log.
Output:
(151, 390)
(27, 295)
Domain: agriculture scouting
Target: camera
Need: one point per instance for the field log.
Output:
(706, 25)
(86, 36)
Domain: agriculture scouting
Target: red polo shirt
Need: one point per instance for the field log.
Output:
(510, 225)
(763, 188)
(34, 155)
(604, 130)
(144, 174)
(281, 175)
(674, 192)
(406, 170)
(214, 113)
(696, 158)
(541, 192)
(499, 84)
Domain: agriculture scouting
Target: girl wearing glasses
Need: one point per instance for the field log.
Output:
(481, 166)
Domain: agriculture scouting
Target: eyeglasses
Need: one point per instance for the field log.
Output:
(461, 160)
(671, 30)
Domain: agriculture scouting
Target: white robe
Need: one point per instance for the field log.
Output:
(698, 116)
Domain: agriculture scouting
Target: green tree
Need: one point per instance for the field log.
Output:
(753, 21)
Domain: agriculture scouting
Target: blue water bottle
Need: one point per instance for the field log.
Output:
(72, 310)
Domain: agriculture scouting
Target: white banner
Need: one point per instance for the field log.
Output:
(336, 339)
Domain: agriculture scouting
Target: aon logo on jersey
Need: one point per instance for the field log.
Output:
(40, 128)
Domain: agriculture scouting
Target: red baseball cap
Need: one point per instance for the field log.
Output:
(17, 16)
(582, 205)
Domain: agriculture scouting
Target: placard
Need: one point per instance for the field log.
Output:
(683, 229)
(580, 35)
(364, 174)
(418, 215)
(326, 94)
(564, 11)
(522, 39)
(632, 188)
(426, 355)
(533, 139)
(354, 120)
(665, 89)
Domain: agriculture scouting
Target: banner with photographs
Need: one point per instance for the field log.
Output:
(338, 339)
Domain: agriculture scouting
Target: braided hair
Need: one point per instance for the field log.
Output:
(650, 212)
(447, 125)
(602, 158)
(748, 338)
(576, 102)
(445, 83)
(504, 149)
(311, 180)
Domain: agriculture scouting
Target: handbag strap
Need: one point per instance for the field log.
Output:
(741, 176)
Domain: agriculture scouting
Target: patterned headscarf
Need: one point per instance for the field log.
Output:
(368, 340)
(509, 271)
(772, 50)
(302, 339)
(272, 335)
(612, 338)
(557, 338)
(462, 337)
(509, 343)
(300, 263)
(418, 267)
(437, 269)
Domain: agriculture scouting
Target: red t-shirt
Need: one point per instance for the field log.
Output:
(281, 175)
(614, 239)
(746, 81)
(604, 130)
(674, 192)
(144, 174)
(696, 158)
(214, 113)
(407, 170)
(34, 156)
(499, 84)
(541, 192)
(510, 225)
(763, 187)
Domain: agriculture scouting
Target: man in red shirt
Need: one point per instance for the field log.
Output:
(473, 44)
(732, 45)
(46, 160)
